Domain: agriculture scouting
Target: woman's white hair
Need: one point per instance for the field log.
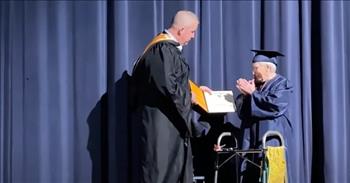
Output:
(272, 67)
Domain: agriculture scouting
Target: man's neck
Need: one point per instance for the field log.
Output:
(172, 33)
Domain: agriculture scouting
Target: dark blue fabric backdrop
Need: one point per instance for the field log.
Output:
(63, 77)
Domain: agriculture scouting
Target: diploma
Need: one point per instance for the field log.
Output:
(216, 102)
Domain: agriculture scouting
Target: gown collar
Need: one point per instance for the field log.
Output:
(174, 39)
(267, 83)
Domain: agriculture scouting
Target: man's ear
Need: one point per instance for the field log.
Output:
(180, 31)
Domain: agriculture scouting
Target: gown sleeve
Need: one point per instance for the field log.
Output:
(243, 107)
(270, 105)
(169, 74)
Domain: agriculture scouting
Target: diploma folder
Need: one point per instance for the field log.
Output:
(216, 102)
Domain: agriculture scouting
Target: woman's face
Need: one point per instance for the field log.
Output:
(260, 71)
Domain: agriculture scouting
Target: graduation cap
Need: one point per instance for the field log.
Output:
(266, 56)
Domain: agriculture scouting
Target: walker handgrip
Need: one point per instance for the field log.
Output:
(224, 134)
(272, 133)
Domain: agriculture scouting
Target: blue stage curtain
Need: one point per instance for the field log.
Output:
(65, 64)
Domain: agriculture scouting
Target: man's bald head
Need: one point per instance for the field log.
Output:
(183, 19)
(184, 26)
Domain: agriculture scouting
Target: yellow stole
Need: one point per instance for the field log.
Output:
(159, 38)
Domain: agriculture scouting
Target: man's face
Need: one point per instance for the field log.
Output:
(187, 33)
(260, 71)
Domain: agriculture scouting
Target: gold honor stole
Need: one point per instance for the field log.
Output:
(159, 38)
(199, 93)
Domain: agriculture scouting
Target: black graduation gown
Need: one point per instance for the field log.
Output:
(162, 116)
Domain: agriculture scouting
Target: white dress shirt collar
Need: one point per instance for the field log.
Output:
(173, 38)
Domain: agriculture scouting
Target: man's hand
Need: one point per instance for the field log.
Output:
(218, 148)
(204, 89)
(193, 98)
